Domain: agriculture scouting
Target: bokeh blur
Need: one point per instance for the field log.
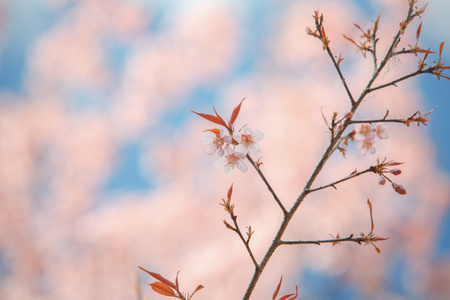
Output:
(102, 166)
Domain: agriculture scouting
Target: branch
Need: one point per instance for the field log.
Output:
(245, 241)
(416, 117)
(229, 208)
(320, 33)
(324, 38)
(350, 238)
(418, 72)
(256, 166)
(353, 175)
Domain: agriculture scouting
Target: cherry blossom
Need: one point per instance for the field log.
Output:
(216, 140)
(381, 131)
(364, 132)
(365, 146)
(231, 160)
(247, 140)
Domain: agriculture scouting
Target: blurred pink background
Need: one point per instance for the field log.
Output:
(102, 166)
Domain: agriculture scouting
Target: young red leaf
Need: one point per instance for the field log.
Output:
(235, 113)
(196, 290)
(375, 26)
(351, 40)
(291, 296)
(221, 119)
(418, 31)
(278, 289)
(215, 131)
(160, 278)
(215, 119)
(359, 27)
(230, 191)
(371, 217)
(176, 281)
(162, 289)
(441, 47)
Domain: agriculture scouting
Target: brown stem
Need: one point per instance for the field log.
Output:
(246, 242)
(371, 169)
(267, 184)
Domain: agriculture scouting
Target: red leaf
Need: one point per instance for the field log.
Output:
(357, 26)
(278, 289)
(196, 290)
(441, 47)
(230, 191)
(215, 131)
(160, 278)
(162, 289)
(351, 40)
(371, 217)
(215, 119)
(235, 113)
(418, 31)
(220, 118)
(375, 27)
(291, 296)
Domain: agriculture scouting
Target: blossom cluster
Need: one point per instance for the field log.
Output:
(364, 135)
(231, 146)
(232, 149)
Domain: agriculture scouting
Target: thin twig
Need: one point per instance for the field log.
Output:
(350, 238)
(267, 184)
(338, 69)
(394, 82)
(333, 184)
(245, 241)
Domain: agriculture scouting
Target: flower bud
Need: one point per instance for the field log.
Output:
(395, 171)
(399, 188)
(382, 181)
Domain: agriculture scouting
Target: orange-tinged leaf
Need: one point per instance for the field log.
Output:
(230, 191)
(371, 217)
(357, 26)
(215, 119)
(176, 281)
(277, 289)
(228, 225)
(219, 117)
(291, 296)
(162, 289)
(418, 31)
(441, 47)
(215, 131)
(377, 22)
(351, 40)
(235, 113)
(199, 287)
(160, 278)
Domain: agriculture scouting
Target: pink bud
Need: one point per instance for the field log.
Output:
(340, 127)
(382, 181)
(399, 188)
(395, 171)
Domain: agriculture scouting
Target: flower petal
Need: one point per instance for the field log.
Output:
(254, 148)
(242, 148)
(242, 166)
(257, 135)
(221, 162)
